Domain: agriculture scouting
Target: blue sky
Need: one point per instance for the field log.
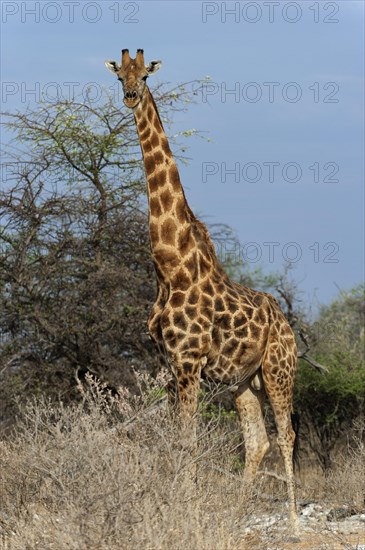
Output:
(284, 164)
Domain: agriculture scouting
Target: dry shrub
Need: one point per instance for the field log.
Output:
(110, 473)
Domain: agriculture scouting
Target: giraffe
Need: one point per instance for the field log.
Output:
(205, 324)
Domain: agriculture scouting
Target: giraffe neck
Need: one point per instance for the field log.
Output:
(176, 235)
(165, 191)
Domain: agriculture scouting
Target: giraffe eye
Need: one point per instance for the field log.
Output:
(144, 78)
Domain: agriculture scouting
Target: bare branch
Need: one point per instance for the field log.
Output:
(318, 366)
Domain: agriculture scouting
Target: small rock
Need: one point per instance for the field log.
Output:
(336, 514)
(311, 509)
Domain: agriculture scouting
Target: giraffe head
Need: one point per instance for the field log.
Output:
(133, 73)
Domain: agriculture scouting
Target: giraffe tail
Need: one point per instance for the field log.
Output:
(295, 422)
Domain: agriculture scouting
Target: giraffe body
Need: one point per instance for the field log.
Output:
(203, 323)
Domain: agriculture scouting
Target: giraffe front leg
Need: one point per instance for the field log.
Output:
(188, 384)
(186, 355)
(249, 403)
(186, 369)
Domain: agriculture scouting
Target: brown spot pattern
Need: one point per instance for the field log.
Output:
(181, 280)
(159, 158)
(155, 207)
(177, 299)
(167, 200)
(181, 212)
(155, 142)
(185, 239)
(174, 178)
(168, 230)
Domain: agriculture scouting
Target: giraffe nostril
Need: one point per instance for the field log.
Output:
(131, 95)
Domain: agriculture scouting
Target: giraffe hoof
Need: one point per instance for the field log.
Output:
(295, 530)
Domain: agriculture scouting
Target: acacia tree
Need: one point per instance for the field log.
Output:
(76, 279)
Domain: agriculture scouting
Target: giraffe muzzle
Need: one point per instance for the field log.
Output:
(131, 99)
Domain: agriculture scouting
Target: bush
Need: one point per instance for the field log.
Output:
(76, 278)
(329, 403)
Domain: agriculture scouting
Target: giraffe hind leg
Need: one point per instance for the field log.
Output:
(279, 385)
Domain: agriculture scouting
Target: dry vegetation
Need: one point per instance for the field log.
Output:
(109, 473)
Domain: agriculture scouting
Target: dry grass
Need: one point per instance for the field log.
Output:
(347, 478)
(344, 483)
(87, 477)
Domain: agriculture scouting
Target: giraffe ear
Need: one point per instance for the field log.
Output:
(153, 67)
(112, 66)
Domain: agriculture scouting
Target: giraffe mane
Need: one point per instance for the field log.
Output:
(204, 233)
